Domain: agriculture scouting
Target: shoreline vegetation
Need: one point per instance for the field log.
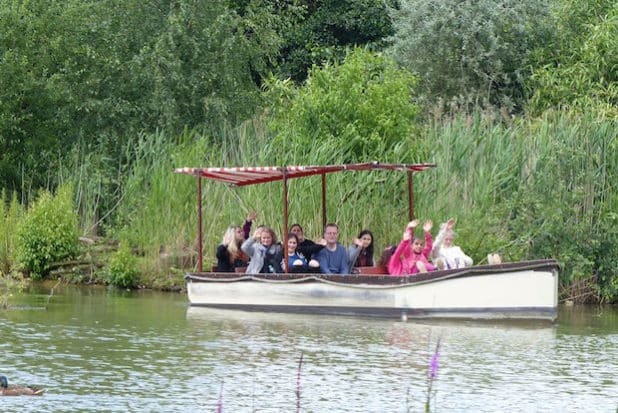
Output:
(92, 125)
(509, 203)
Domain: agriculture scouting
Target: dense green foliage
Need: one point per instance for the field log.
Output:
(475, 50)
(538, 188)
(581, 68)
(326, 28)
(110, 96)
(99, 72)
(350, 103)
(47, 233)
(123, 269)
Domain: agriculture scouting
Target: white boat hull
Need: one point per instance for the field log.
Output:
(521, 291)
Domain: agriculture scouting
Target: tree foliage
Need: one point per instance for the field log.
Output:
(203, 65)
(326, 28)
(364, 104)
(100, 72)
(581, 68)
(478, 50)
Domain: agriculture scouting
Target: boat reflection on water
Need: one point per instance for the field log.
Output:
(358, 330)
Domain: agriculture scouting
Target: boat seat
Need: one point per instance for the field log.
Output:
(376, 270)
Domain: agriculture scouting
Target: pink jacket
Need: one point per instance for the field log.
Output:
(403, 261)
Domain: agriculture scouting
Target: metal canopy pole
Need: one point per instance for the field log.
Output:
(285, 219)
(200, 257)
(410, 197)
(323, 200)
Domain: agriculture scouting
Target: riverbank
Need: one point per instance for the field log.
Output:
(166, 272)
(91, 267)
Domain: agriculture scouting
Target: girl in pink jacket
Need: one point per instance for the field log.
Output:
(410, 257)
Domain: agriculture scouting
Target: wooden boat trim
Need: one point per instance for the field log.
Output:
(376, 281)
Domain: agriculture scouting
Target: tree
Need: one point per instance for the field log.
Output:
(99, 73)
(478, 50)
(327, 28)
(363, 106)
(580, 69)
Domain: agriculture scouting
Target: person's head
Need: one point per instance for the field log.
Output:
(448, 238)
(298, 230)
(233, 237)
(366, 238)
(233, 233)
(292, 243)
(417, 245)
(268, 237)
(331, 233)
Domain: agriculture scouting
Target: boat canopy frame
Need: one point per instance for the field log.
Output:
(244, 176)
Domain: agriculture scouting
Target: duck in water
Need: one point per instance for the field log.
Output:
(14, 390)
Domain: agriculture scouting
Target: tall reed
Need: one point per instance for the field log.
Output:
(536, 188)
(10, 214)
(527, 188)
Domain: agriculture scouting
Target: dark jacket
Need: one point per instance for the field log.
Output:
(309, 248)
(224, 264)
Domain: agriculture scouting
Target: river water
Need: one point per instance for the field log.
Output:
(98, 350)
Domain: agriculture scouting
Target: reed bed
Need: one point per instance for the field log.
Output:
(11, 211)
(526, 188)
(510, 187)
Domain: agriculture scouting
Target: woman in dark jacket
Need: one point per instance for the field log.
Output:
(360, 253)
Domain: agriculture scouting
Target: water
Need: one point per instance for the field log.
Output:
(95, 350)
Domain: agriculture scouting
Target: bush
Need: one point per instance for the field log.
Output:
(123, 269)
(48, 233)
(477, 50)
(364, 106)
(578, 70)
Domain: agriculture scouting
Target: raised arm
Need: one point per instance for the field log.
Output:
(439, 239)
(354, 251)
(395, 266)
(248, 222)
(248, 247)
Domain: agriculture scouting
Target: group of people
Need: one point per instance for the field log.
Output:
(261, 252)
(413, 254)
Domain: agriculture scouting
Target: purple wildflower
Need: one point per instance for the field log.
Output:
(434, 365)
(220, 402)
(433, 372)
(434, 361)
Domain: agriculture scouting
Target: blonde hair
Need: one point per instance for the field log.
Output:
(229, 240)
(272, 234)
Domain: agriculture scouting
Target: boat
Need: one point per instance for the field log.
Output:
(514, 290)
